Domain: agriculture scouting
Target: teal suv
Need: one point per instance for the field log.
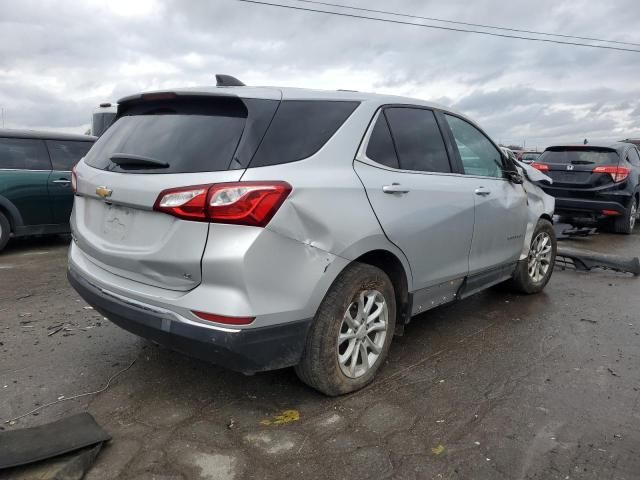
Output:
(35, 181)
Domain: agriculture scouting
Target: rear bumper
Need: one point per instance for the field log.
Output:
(584, 207)
(249, 350)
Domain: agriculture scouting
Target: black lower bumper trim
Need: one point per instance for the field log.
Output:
(248, 351)
(585, 207)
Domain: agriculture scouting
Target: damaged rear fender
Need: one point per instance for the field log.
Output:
(374, 249)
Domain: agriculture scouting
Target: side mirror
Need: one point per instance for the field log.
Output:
(515, 177)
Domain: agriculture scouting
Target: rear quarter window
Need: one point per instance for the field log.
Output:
(380, 148)
(23, 154)
(299, 129)
(65, 154)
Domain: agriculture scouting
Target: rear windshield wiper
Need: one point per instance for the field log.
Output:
(130, 160)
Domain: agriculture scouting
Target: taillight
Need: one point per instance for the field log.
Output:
(241, 203)
(618, 174)
(212, 317)
(611, 212)
(543, 167)
(188, 203)
(74, 180)
(246, 203)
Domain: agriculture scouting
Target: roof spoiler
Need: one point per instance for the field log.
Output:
(223, 80)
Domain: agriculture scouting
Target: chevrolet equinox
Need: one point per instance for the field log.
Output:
(260, 228)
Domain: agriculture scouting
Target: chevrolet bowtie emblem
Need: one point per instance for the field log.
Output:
(104, 192)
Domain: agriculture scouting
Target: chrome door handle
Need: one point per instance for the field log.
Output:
(483, 192)
(62, 181)
(394, 188)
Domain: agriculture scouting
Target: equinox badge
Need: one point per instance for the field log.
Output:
(104, 192)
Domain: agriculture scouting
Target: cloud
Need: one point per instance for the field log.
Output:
(59, 59)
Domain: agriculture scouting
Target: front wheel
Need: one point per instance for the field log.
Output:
(533, 273)
(351, 333)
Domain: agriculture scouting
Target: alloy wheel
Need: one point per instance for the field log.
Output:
(539, 260)
(362, 333)
(634, 214)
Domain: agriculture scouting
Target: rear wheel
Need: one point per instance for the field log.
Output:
(533, 273)
(626, 223)
(5, 231)
(351, 332)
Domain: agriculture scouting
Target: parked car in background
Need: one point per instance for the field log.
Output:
(261, 228)
(596, 182)
(529, 157)
(35, 181)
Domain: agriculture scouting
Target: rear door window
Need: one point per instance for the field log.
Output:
(23, 154)
(478, 155)
(65, 153)
(417, 139)
(299, 129)
(380, 148)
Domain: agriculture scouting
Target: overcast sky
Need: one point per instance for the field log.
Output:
(59, 60)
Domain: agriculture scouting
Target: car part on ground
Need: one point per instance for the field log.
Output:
(562, 232)
(236, 223)
(584, 260)
(28, 445)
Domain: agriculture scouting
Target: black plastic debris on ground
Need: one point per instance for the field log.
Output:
(565, 231)
(28, 445)
(585, 261)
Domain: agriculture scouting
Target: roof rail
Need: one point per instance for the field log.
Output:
(223, 80)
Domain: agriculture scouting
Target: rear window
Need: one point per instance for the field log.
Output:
(190, 136)
(65, 154)
(300, 128)
(579, 156)
(23, 154)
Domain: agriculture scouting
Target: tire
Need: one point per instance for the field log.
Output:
(625, 223)
(5, 231)
(320, 366)
(523, 280)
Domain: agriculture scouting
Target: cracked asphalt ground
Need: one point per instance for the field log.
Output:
(496, 387)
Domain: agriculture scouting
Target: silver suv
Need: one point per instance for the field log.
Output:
(261, 228)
